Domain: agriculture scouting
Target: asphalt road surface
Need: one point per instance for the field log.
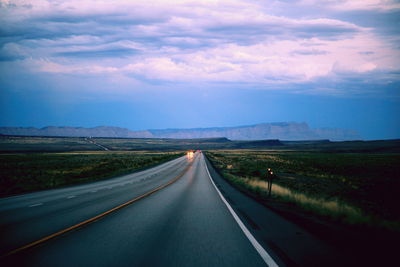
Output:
(184, 224)
(180, 213)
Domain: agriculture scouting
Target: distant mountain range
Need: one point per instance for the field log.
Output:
(281, 130)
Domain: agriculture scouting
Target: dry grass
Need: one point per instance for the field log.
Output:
(334, 208)
(368, 181)
(137, 152)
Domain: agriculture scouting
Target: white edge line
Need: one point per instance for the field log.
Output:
(264, 254)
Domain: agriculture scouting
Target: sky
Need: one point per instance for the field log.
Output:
(202, 63)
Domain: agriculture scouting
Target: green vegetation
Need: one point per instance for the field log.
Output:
(181, 144)
(352, 182)
(44, 144)
(21, 173)
(60, 144)
(348, 187)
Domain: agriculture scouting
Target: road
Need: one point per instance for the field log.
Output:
(180, 213)
(90, 140)
(184, 224)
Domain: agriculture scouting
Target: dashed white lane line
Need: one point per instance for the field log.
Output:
(264, 254)
(35, 205)
(69, 197)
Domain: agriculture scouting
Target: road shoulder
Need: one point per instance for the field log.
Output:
(292, 244)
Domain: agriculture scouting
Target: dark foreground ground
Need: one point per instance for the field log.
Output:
(359, 187)
(301, 239)
(316, 186)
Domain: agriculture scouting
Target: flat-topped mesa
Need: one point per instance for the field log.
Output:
(281, 130)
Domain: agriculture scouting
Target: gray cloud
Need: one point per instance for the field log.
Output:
(309, 52)
(128, 24)
(101, 53)
(4, 57)
(246, 43)
(324, 31)
(285, 30)
(367, 53)
(117, 19)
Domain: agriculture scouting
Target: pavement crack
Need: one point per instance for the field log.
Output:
(35, 205)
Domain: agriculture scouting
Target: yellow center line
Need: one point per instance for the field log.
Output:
(76, 226)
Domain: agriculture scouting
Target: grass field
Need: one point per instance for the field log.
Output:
(27, 172)
(59, 144)
(347, 181)
(45, 144)
(348, 187)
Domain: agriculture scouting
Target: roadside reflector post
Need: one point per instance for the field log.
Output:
(270, 177)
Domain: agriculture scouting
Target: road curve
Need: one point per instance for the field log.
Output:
(184, 224)
(29, 217)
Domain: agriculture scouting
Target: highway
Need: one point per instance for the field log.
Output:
(179, 213)
(186, 223)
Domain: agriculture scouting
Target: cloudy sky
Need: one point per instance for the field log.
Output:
(202, 63)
